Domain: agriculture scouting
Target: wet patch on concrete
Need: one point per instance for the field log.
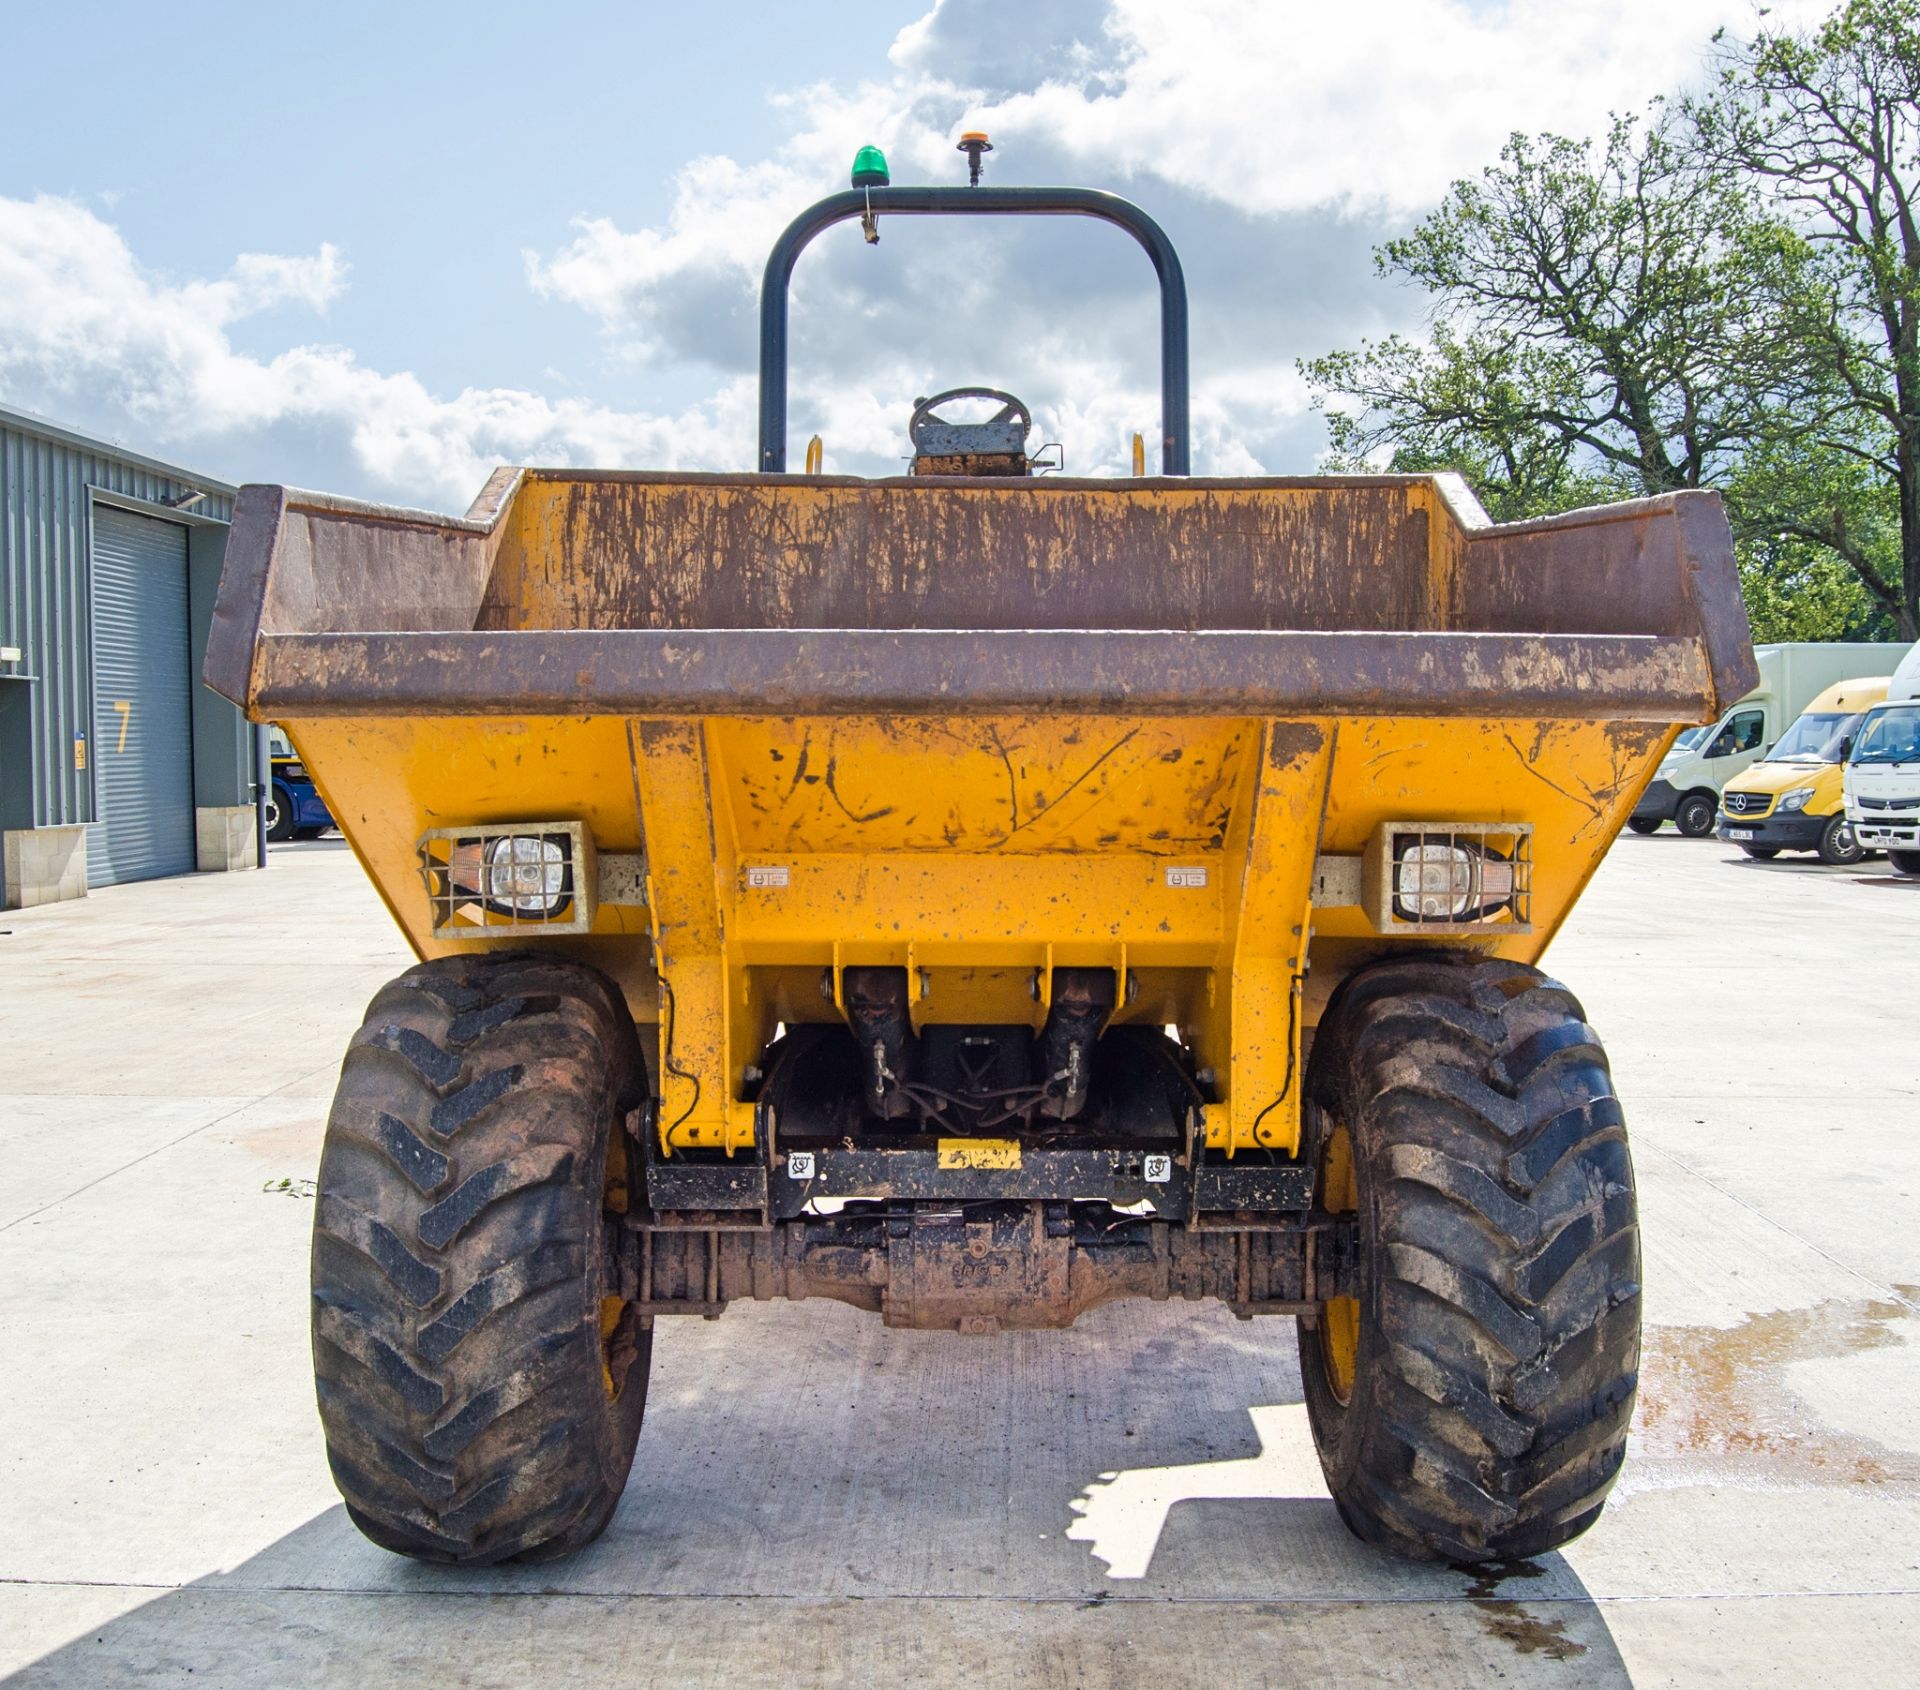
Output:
(294, 1141)
(1716, 1405)
(1512, 1621)
(1489, 1576)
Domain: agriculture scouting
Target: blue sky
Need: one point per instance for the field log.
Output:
(376, 248)
(430, 143)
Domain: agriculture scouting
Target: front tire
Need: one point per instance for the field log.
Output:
(1695, 815)
(481, 1382)
(1644, 824)
(1471, 1403)
(1839, 847)
(1761, 853)
(1905, 862)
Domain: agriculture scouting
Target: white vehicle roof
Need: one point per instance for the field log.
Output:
(1906, 679)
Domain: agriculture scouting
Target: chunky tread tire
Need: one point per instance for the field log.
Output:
(460, 1254)
(1499, 1333)
(1905, 862)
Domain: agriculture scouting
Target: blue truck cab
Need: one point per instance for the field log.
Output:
(295, 809)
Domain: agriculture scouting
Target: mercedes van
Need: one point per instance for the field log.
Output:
(1792, 799)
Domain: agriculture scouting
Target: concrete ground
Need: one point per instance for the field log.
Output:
(821, 1501)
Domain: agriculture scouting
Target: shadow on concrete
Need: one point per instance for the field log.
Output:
(1799, 862)
(1525, 1624)
(1668, 835)
(861, 1553)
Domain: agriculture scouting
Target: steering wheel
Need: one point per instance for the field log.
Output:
(1010, 408)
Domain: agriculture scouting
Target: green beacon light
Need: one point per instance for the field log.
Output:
(870, 168)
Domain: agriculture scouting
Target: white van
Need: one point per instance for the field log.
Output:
(1883, 772)
(1686, 787)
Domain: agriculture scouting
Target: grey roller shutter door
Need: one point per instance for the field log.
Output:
(142, 743)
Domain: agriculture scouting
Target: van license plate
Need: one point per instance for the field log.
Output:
(1742, 834)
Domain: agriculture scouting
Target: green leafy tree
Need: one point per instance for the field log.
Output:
(1457, 411)
(1798, 591)
(1811, 524)
(1827, 123)
(1605, 323)
(1723, 294)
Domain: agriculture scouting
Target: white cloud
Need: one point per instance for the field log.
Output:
(724, 217)
(1268, 108)
(73, 295)
(1279, 141)
(1219, 113)
(80, 315)
(1378, 104)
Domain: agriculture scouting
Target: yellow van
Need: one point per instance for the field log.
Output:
(1791, 800)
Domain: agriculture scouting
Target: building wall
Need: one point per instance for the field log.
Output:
(50, 483)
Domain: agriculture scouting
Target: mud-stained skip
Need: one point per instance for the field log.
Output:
(1717, 1407)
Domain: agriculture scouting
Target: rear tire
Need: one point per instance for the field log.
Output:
(1838, 846)
(280, 826)
(1761, 853)
(1644, 824)
(1905, 862)
(1695, 815)
(1477, 1407)
(481, 1383)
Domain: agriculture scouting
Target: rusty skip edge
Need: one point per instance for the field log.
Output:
(253, 543)
(234, 631)
(1683, 673)
(1705, 545)
(779, 671)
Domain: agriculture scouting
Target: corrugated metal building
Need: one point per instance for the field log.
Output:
(115, 762)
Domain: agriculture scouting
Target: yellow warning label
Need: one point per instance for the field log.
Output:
(979, 1153)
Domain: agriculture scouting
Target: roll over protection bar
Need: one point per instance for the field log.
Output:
(974, 202)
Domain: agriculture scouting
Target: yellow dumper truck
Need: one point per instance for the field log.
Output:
(976, 896)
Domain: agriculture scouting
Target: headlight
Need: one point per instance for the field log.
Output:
(519, 875)
(1449, 882)
(1796, 799)
(528, 876)
(491, 880)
